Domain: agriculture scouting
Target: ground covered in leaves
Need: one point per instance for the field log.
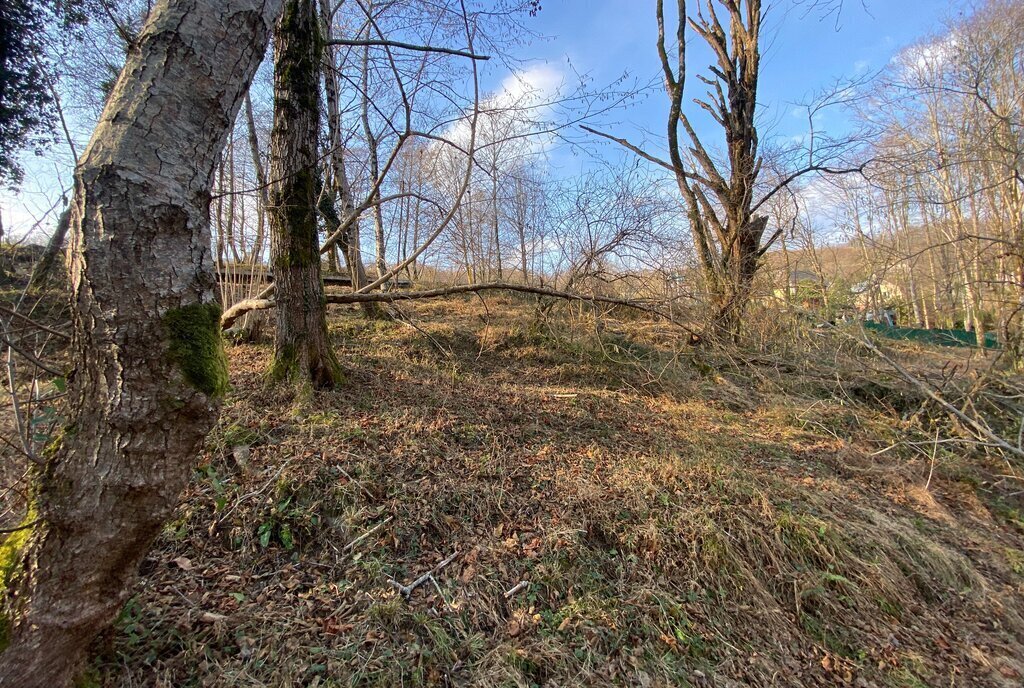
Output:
(621, 509)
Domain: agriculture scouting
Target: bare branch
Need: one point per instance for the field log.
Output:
(407, 46)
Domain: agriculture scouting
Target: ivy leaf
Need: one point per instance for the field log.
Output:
(264, 532)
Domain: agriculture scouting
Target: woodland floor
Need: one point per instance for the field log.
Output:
(680, 520)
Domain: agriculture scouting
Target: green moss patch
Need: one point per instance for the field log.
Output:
(195, 346)
(10, 556)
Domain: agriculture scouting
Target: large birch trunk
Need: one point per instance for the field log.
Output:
(303, 350)
(150, 367)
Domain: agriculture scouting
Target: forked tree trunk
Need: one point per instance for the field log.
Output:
(728, 238)
(150, 368)
(303, 350)
(731, 295)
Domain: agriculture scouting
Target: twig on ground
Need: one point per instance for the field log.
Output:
(367, 534)
(518, 587)
(440, 593)
(369, 495)
(407, 590)
(254, 493)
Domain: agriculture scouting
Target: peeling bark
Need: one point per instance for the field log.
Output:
(150, 366)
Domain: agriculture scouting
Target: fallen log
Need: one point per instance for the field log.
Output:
(239, 309)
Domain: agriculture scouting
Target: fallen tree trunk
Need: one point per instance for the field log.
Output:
(242, 307)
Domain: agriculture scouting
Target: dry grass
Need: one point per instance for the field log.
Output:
(680, 521)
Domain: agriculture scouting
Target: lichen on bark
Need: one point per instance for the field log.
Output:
(194, 344)
(11, 554)
(295, 207)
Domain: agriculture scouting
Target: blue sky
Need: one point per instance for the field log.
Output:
(803, 53)
(604, 39)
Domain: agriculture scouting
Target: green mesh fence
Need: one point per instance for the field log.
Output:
(938, 337)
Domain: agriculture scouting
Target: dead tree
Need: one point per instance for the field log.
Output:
(726, 232)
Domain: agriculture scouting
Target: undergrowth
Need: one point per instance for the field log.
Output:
(625, 511)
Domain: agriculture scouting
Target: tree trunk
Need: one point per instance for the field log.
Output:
(53, 248)
(252, 325)
(732, 295)
(522, 254)
(302, 350)
(496, 218)
(261, 182)
(374, 160)
(342, 190)
(728, 237)
(150, 368)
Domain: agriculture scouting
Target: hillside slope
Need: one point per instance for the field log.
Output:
(620, 514)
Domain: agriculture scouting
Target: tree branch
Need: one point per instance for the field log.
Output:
(807, 170)
(636, 149)
(407, 46)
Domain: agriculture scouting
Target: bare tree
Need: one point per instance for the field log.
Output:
(719, 198)
(720, 205)
(341, 194)
(719, 195)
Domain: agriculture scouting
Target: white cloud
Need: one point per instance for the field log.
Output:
(528, 87)
(927, 58)
(518, 109)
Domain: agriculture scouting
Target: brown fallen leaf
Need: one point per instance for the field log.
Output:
(1009, 672)
(184, 563)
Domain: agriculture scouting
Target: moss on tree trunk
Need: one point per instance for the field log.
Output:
(302, 351)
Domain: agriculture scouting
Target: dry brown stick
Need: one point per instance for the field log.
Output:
(925, 389)
(367, 534)
(408, 46)
(33, 323)
(243, 498)
(26, 526)
(30, 357)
